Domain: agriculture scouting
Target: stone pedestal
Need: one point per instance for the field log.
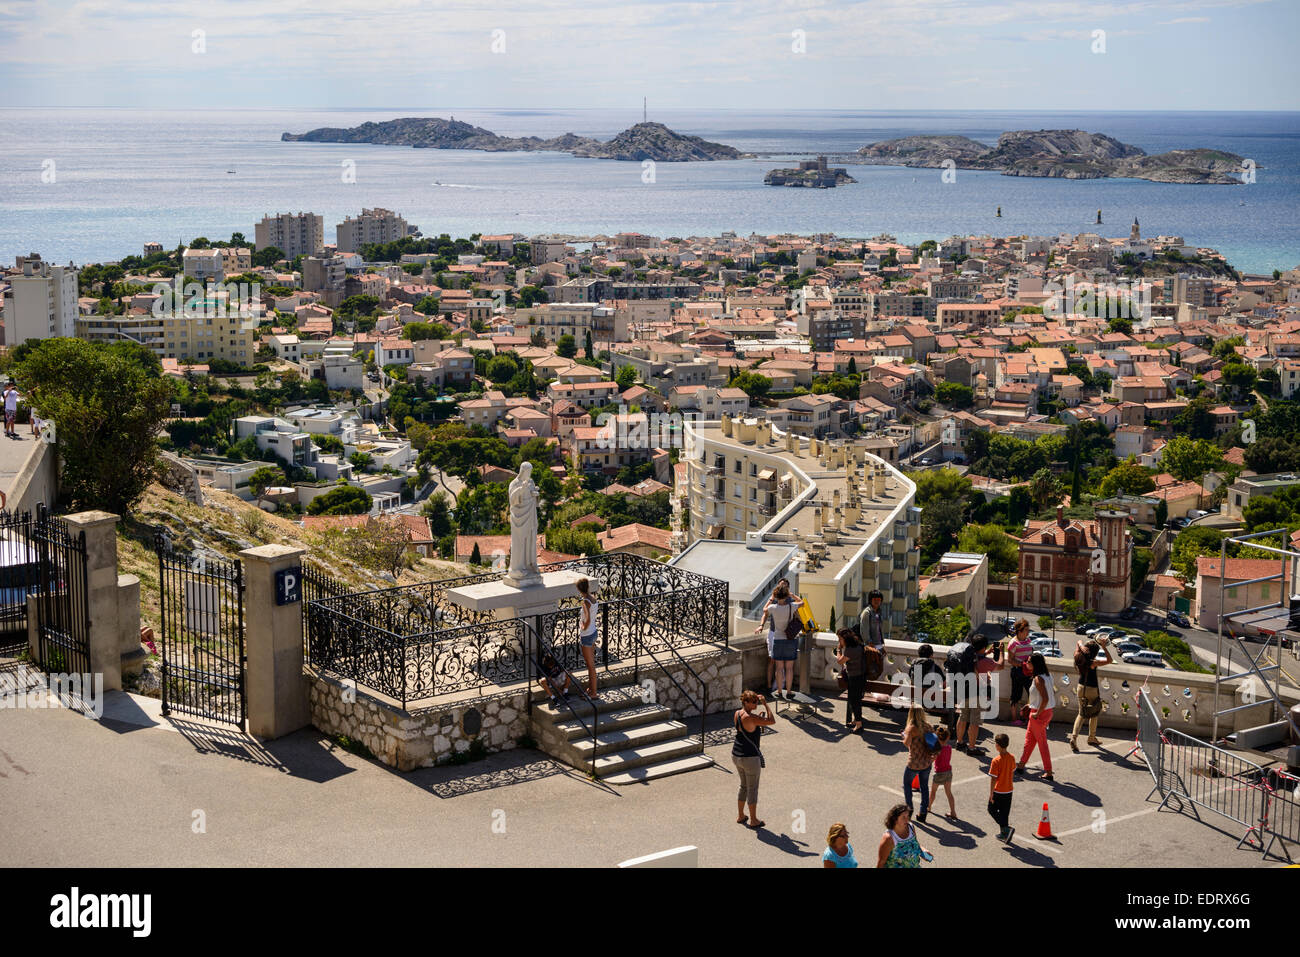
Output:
(105, 635)
(131, 652)
(511, 602)
(277, 688)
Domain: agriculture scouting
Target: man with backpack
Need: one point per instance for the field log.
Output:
(967, 662)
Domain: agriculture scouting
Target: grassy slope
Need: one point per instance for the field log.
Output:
(217, 527)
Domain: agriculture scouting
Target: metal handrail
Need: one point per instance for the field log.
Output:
(595, 715)
(636, 670)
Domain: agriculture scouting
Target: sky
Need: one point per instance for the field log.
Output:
(728, 54)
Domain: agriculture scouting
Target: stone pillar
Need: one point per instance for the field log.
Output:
(132, 654)
(276, 687)
(104, 637)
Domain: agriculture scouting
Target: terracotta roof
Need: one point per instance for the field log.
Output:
(634, 534)
(1239, 569)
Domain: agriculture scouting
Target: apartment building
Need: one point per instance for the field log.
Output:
(850, 514)
(555, 319)
(372, 226)
(41, 302)
(589, 395)
(326, 275)
(205, 265)
(294, 234)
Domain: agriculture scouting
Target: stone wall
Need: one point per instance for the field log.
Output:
(1184, 700)
(721, 674)
(421, 739)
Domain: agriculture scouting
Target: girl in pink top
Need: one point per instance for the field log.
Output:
(943, 773)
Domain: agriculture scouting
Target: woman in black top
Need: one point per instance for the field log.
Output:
(852, 658)
(1087, 661)
(746, 754)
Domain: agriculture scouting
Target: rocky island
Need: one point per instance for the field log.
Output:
(644, 141)
(1068, 154)
(814, 173)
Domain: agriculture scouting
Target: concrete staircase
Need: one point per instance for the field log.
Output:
(635, 741)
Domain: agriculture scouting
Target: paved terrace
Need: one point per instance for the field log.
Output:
(125, 791)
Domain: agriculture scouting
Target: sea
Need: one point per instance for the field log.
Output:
(93, 185)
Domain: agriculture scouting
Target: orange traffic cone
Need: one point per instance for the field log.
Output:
(1045, 825)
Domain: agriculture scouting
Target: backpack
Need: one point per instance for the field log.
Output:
(961, 659)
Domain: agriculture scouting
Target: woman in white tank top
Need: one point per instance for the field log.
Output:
(588, 625)
(1042, 699)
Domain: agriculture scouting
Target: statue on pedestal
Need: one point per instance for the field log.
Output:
(523, 530)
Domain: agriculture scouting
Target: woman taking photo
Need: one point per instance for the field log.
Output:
(898, 845)
(747, 755)
(782, 650)
(1042, 698)
(852, 660)
(1088, 657)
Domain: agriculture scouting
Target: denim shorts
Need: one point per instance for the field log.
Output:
(588, 641)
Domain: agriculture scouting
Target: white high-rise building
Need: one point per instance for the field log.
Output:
(41, 303)
(372, 226)
(294, 234)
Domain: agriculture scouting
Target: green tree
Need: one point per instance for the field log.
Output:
(566, 347)
(1162, 513)
(587, 347)
(1189, 459)
(428, 306)
(343, 500)
(991, 540)
(753, 384)
(1239, 377)
(476, 557)
(1045, 490)
(625, 377)
(109, 403)
(954, 395)
(264, 477)
(1191, 544)
(1195, 421)
(1127, 478)
(502, 369)
(572, 541)
(267, 256)
(941, 626)
(437, 509)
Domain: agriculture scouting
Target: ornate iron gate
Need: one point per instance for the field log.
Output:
(41, 557)
(202, 605)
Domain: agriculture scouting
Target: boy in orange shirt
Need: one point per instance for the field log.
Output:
(1001, 774)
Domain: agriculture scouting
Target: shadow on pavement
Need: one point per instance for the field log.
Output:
(784, 843)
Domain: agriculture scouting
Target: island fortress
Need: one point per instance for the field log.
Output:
(848, 517)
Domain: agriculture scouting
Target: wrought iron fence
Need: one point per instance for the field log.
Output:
(202, 611)
(19, 577)
(411, 643)
(63, 606)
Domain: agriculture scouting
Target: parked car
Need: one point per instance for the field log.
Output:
(1196, 513)
(1095, 630)
(1179, 619)
(1129, 613)
(1179, 523)
(1009, 623)
(1040, 636)
(1083, 629)
(1149, 659)
(1123, 648)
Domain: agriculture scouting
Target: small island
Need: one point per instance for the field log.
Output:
(814, 173)
(1065, 154)
(644, 141)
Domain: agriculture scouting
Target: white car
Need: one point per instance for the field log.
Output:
(1147, 659)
